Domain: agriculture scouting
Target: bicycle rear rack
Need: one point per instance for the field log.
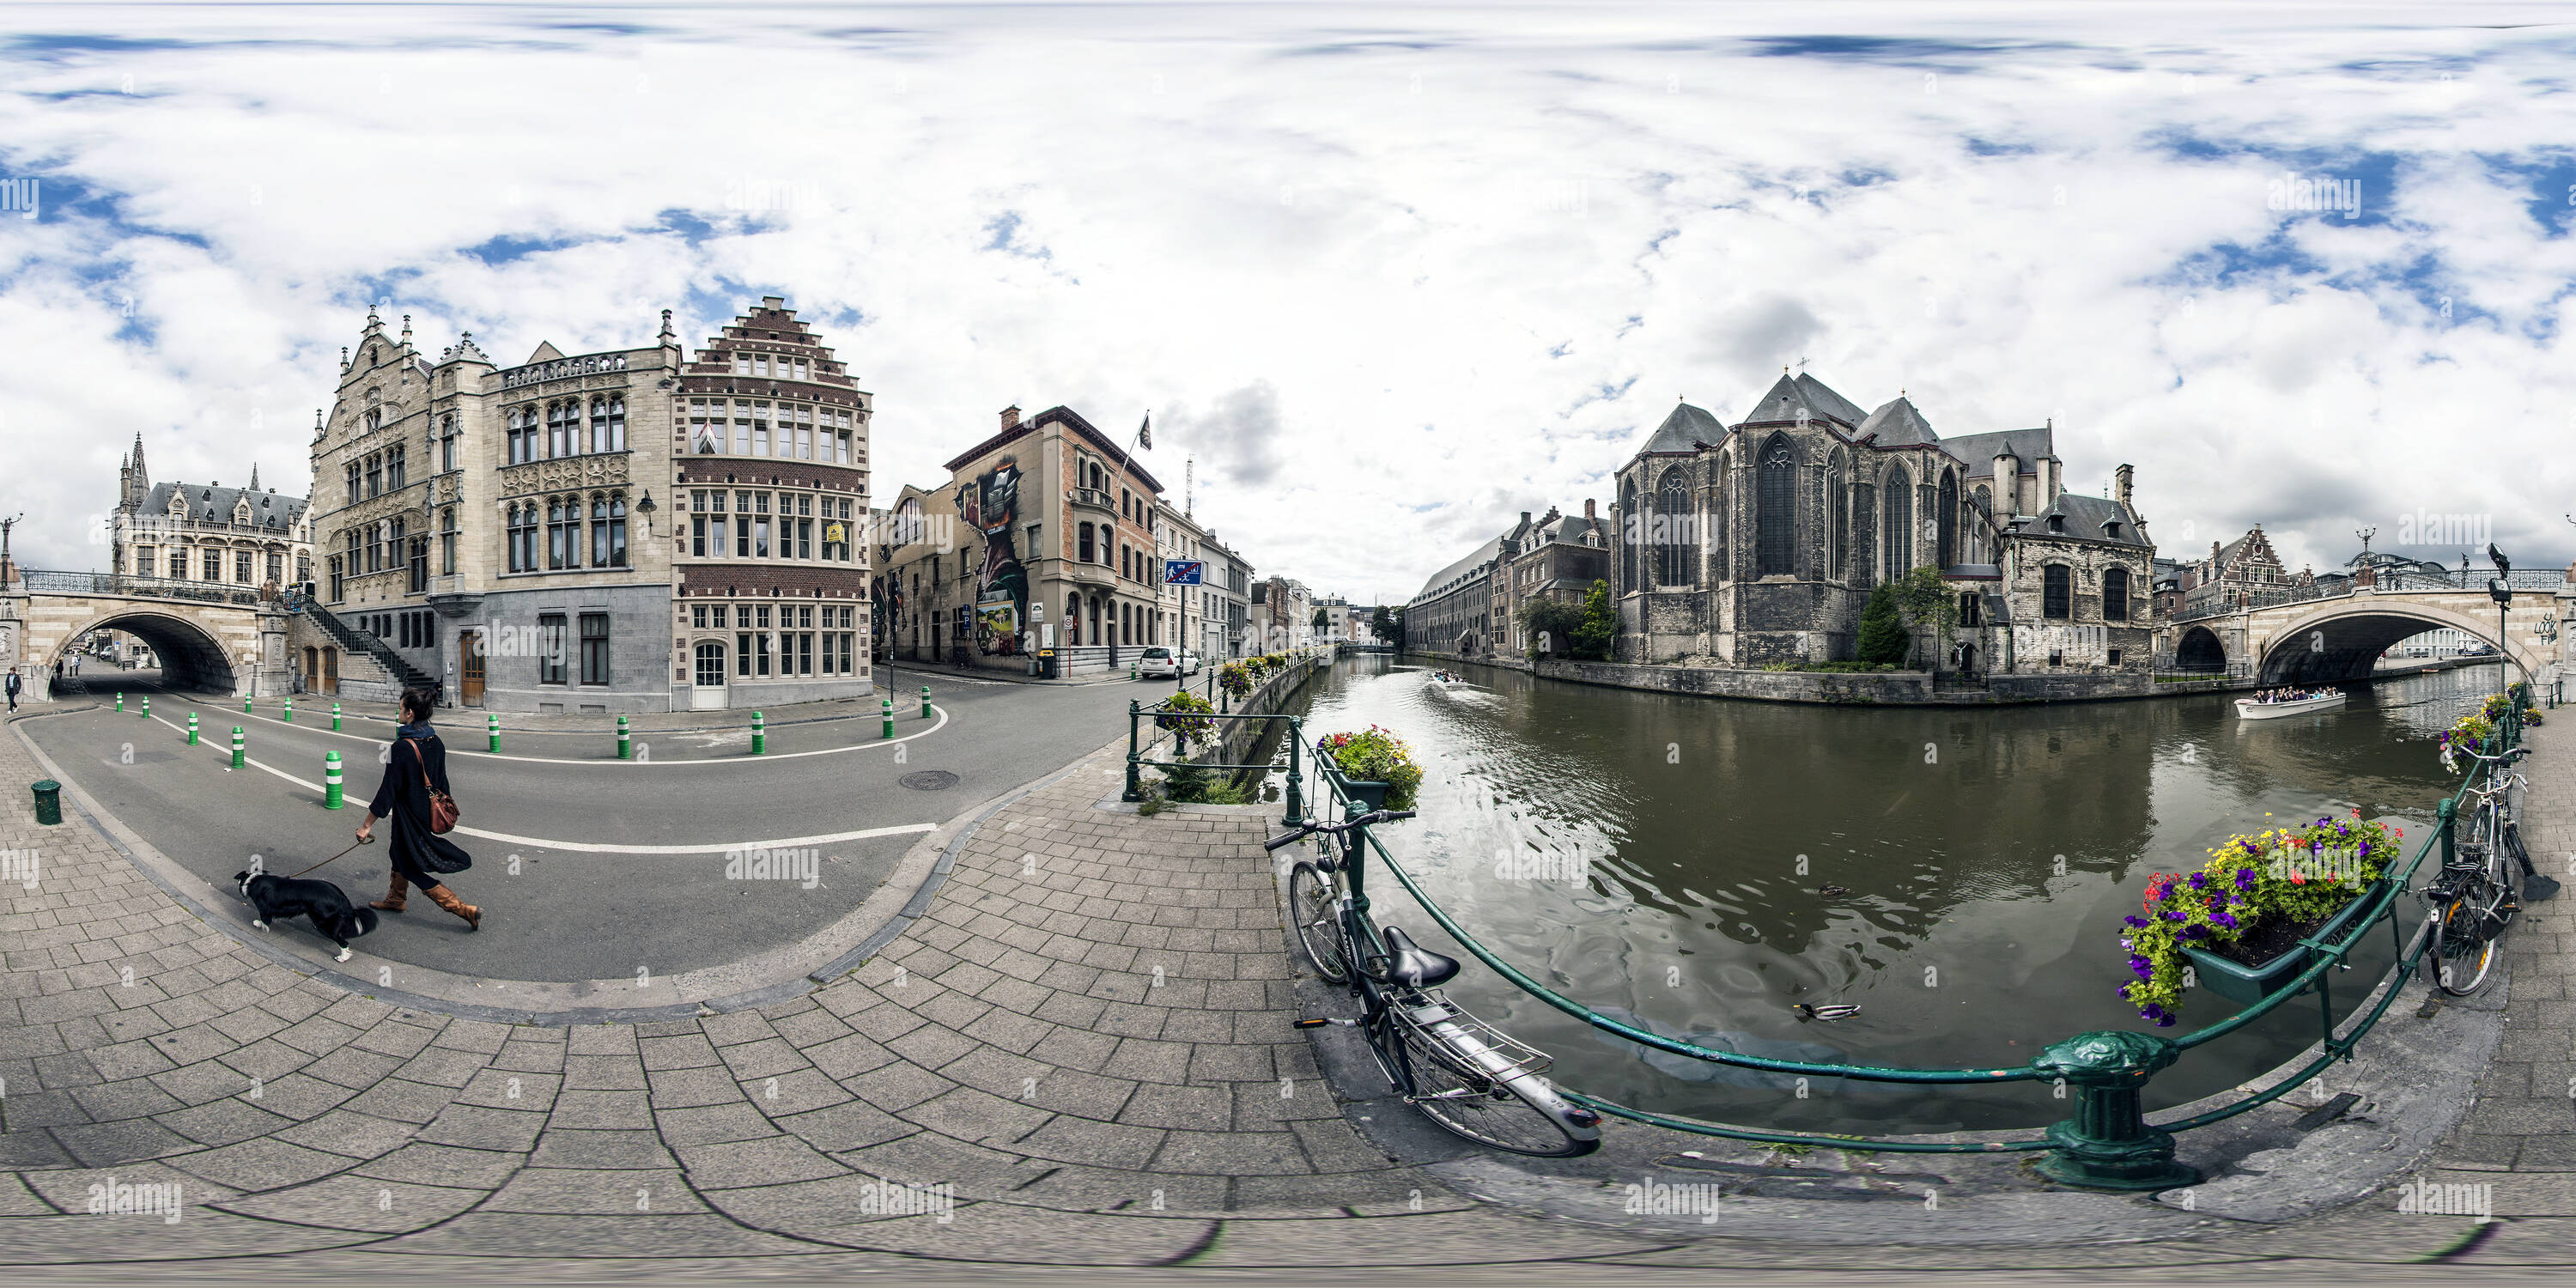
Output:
(1431, 1006)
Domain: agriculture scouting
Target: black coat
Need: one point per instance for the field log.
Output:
(403, 798)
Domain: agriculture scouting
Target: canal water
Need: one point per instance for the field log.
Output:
(1699, 866)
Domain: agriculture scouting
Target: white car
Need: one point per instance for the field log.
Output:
(1157, 662)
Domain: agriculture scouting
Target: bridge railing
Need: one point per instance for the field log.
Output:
(42, 581)
(2520, 579)
(2107, 1143)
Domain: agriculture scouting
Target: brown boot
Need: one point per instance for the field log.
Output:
(393, 900)
(446, 898)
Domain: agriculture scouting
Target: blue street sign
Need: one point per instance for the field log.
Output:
(1183, 572)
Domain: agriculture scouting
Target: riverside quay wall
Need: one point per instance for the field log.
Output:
(1863, 688)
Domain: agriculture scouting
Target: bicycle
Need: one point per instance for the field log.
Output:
(2473, 901)
(1472, 1079)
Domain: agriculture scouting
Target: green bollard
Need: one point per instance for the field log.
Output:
(245, 704)
(290, 711)
(925, 701)
(335, 717)
(120, 700)
(625, 743)
(1131, 671)
(759, 734)
(146, 713)
(192, 728)
(237, 746)
(889, 719)
(331, 787)
(494, 728)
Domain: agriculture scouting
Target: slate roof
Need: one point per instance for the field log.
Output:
(1980, 450)
(1685, 425)
(1571, 527)
(1486, 553)
(1829, 402)
(1789, 394)
(1898, 424)
(210, 504)
(2086, 516)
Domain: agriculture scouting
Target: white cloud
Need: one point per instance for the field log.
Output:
(1395, 286)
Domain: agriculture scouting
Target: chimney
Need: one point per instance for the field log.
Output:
(1011, 416)
(1587, 509)
(1524, 518)
(2120, 486)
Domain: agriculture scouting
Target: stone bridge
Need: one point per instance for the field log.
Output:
(2321, 641)
(209, 637)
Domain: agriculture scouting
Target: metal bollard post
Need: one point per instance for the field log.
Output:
(759, 734)
(290, 711)
(331, 786)
(925, 701)
(237, 746)
(625, 743)
(335, 717)
(120, 700)
(494, 729)
(2108, 1144)
(192, 728)
(1135, 780)
(888, 713)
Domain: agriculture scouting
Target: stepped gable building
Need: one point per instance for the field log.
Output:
(1556, 557)
(1757, 543)
(529, 538)
(2234, 573)
(206, 531)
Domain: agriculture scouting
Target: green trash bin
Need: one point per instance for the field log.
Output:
(49, 802)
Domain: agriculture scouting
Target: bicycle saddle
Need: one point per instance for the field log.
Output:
(1414, 966)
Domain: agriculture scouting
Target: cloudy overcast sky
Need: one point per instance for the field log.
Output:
(1389, 274)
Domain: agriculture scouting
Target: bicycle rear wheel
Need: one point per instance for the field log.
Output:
(1314, 905)
(2463, 947)
(1468, 1101)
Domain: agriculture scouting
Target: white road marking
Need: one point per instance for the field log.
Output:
(595, 847)
(640, 736)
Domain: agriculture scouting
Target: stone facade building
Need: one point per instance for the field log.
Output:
(496, 532)
(1454, 615)
(1757, 543)
(2233, 574)
(1557, 557)
(206, 531)
(1044, 536)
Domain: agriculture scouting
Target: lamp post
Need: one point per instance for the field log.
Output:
(2500, 589)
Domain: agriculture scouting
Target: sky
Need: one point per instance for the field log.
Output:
(1384, 275)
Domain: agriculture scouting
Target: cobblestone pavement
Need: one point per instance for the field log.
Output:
(1085, 1040)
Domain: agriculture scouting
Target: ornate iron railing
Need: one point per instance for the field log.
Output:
(116, 583)
(2108, 1142)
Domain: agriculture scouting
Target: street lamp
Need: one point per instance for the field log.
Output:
(2500, 589)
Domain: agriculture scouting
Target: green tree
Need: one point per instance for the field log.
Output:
(1384, 625)
(1599, 628)
(1883, 640)
(1323, 620)
(1929, 604)
(1549, 625)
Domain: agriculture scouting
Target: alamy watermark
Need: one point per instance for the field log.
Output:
(1652, 1197)
(2431, 1198)
(881, 1197)
(2425, 528)
(19, 197)
(801, 864)
(21, 866)
(116, 1198)
(2314, 193)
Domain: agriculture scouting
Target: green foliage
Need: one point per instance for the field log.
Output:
(1928, 603)
(1235, 678)
(1199, 785)
(1185, 714)
(1883, 640)
(1387, 624)
(1323, 619)
(1376, 756)
(2302, 874)
(1599, 628)
(1549, 625)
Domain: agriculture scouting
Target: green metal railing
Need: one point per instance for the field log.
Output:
(2107, 1143)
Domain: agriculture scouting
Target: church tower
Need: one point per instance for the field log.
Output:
(133, 483)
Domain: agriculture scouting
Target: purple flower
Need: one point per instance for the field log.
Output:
(2172, 914)
(2194, 932)
(2139, 922)
(2245, 878)
(2199, 880)
(2225, 919)
(2165, 1022)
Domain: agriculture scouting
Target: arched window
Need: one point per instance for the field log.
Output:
(2057, 591)
(1675, 530)
(1720, 519)
(1947, 538)
(1073, 619)
(1775, 513)
(1628, 525)
(1837, 519)
(1978, 540)
(1896, 510)
(2115, 594)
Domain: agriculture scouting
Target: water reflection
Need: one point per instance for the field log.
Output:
(1704, 866)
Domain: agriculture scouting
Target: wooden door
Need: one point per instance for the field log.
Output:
(331, 671)
(469, 652)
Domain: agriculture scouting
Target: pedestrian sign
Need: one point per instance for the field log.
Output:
(1183, 572)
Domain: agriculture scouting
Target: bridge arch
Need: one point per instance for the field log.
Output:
(2200, 650)
(2342, 639)
(190, 658)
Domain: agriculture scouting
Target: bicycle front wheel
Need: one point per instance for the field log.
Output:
(1315, 905)
(2463, 948)
(1450, 1090)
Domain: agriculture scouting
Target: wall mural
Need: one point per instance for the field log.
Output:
(991, 506)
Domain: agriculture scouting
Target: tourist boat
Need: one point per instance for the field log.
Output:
(2249, 709)
(1445, 680)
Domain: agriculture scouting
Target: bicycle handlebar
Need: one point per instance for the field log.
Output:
(1308, 829)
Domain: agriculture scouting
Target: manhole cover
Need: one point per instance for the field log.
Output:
(930, 780)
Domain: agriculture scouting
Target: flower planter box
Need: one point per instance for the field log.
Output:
(2240, 983)
(1370, 794)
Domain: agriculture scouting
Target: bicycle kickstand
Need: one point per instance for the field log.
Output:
(1317, 1024)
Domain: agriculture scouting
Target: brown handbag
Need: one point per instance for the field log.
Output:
(442, 807)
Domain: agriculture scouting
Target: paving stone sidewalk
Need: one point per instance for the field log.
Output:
(1085, 1041)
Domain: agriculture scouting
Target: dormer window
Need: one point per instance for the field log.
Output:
(2111, 530)
(2057, 523)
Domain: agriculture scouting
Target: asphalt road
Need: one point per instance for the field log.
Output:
(620, 865)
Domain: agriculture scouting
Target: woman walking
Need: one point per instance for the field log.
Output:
(418, 765)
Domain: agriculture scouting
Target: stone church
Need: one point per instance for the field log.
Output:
(1757, 544)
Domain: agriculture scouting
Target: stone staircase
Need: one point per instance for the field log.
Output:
(357, 643)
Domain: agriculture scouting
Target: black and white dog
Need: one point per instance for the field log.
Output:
(273, 897)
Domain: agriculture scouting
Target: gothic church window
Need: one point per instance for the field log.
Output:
(1775, 518)
(1897, 509)
(1837, 519)
(1673, 530)
(2115, 594)
(1947, 539)
(2057, 591)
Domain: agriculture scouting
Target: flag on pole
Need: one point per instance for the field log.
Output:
(1145, 433)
